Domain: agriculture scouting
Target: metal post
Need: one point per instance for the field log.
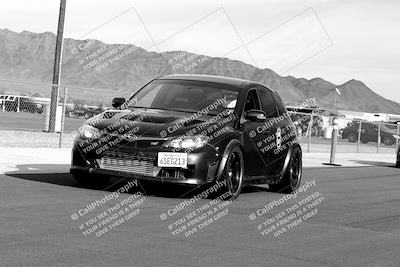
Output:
(335, 104)
(63, 117)
(379, 138)
(335, 132)
(18, 103)
(46, 116)
(309, 131)
(57, 67)
(359, 137)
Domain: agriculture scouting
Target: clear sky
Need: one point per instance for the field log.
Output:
(337, 40)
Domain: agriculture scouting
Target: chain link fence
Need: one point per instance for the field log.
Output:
(25, 114)
(355, 135)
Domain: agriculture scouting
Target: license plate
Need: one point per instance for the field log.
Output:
(172, 159)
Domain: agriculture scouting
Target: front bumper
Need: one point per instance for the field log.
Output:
(202, 164)
(129, 175)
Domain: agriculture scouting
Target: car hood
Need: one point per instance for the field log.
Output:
(154, 122)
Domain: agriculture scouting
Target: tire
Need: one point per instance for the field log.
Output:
(352, 138)
(388, 141)
(233, 173)
(292, 177)
(91, 180)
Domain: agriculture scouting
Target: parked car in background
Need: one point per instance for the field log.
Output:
(369, 133)
(20, 104)
(85, 112)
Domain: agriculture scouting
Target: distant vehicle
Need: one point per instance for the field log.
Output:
(398, 153)
(369, 133)
(398, 158)
(85, 112)
(20, 104)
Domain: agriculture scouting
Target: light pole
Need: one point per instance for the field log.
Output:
(57, 67)
(335, 132)
(335, 100)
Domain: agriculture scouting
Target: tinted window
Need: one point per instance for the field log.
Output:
(251, 101)
(268, 102)
(279, 104)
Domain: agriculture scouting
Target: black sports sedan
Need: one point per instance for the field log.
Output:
(193, 130)
(398, 152)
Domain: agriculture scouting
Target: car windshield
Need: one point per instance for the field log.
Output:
(185, 96)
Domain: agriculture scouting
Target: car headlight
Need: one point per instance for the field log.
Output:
(88, 131)
(189, 142)
(396, 136)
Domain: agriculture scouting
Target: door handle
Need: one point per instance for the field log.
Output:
(266, 132)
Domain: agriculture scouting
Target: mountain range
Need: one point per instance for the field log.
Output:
(119, 68)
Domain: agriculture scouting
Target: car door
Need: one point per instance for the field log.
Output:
(254, 161)
(277, 124)
(288, 133)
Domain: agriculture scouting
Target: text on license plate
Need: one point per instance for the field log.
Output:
(172, 159)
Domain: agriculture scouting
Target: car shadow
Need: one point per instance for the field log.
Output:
(41, 173)
(375, 163)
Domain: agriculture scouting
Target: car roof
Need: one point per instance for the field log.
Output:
(239, 83)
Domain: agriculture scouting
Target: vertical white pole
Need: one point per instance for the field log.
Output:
(62, 118)
(379, 138)
(359, 137)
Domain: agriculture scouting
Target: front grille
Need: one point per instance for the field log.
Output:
(137, 163)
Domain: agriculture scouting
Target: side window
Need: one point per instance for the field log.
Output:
(268, 102)
(281, 108)
(251, 101)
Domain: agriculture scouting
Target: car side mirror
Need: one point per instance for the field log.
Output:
(255, 115)
(117, 102)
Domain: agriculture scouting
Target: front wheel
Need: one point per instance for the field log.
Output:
(233, 172)
(352, 138)
(292, 177)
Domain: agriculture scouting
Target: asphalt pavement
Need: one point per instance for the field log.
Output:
(350, 217)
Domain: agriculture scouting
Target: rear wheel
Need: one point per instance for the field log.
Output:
(292, 177)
